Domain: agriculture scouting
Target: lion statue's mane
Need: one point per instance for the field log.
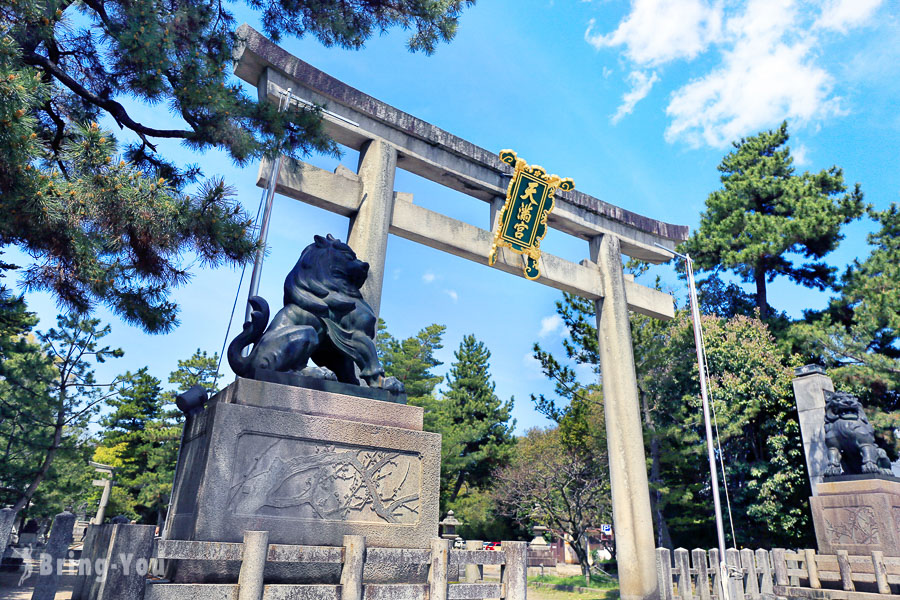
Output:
(851, 439)
(324, 319)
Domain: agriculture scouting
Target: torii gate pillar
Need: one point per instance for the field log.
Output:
(368, 235)
(627, 462)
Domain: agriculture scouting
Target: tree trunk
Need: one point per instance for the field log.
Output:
(578, 546)
(761, 301)
(51, 453)
(663, 539)
(460, 480)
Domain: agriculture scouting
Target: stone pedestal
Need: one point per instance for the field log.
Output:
(859, 514)
(810, 384)
(309, 467)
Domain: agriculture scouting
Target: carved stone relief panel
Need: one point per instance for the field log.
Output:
(279, 476)
(852, 525)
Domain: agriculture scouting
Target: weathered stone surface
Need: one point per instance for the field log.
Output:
(57, 548)
(187, 591)
(305, 479)
(810, 385)
(858, 515)
(632, 518)
(368, 235)
(249, 392)
(7, 516)
(96, 546)
(253, 565)
(128, 555)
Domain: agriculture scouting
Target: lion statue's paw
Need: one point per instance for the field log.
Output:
(392, 384)
(319, 373)
(871, 467)
(833, 471)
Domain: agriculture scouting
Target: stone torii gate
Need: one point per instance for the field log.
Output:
(388, 138)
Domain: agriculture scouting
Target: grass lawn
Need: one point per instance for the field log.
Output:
(535, 593)
(600, 582)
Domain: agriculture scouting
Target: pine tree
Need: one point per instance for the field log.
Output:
(109, 228)
(51, 393)
(765, 213)
(476, 426)
(411, 361)
(857, 336)
(143, 431)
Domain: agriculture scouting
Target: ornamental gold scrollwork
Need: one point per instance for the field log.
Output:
(523, 221)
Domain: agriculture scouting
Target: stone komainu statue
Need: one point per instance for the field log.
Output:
(851, 439)
(324, 319)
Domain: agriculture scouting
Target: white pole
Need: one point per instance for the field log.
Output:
(267, 213)
(713, 473)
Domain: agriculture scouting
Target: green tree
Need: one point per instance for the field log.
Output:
(412, 361)
(51, 393)
(753, 400)
(142, 434)
(550, 482)
(110, 229)
(856, 336)
(765, 214)
(475, 425)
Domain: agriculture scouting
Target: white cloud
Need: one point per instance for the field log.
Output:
(750, 93)
(428, 277)
(762, 61)
(841, 15)
(640, 87)
(453, 295)
(532, 367)
(800, 153)
(659, 31)
(550, 324)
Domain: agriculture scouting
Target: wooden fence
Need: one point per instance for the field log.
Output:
(694, 575)
(120, 583)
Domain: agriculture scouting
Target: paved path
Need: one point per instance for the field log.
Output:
(11, 589)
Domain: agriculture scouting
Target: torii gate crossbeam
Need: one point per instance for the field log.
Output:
(388, 138)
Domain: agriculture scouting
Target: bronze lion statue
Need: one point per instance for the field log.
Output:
(851, 439)
(324, 319)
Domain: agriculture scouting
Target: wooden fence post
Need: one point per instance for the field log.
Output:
(734, 577)
(355, 560)
(717, 572)
(253, 565)
(793, 563)
(474, 573)
(780, 565)
(683, 571)
(880, 572)
(751, 580)
(812, 570)
(843, 560)
(765, 571)
(664, 573)
(438, 571)
(698, 555)
(515, 570)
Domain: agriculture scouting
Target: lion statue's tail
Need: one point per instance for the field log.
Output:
(252, 333)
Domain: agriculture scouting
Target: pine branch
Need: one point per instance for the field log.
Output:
(118, 112)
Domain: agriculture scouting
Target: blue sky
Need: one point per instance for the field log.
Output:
(636, 101)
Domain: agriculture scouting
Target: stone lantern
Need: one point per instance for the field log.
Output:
(448, 526)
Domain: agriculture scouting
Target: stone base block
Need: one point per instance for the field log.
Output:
(262, 457)
(858, 515)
